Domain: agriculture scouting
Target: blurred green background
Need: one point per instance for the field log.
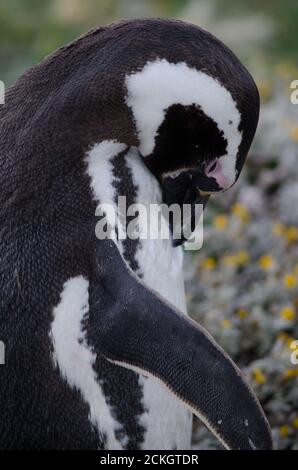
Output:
(243, 284)
(264, 31)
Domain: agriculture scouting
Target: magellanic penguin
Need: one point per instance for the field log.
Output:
(99, 353)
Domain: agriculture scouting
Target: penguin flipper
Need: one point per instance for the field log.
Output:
(136, 328)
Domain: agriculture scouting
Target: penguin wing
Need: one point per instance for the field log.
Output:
(132, 326)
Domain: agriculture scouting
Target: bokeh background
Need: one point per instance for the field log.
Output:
(243, 284)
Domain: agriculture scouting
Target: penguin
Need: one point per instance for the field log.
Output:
(99, 350)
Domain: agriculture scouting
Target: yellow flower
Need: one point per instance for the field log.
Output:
(290, 373)
(242, 257)
(287, 339)
(284, 431)
(294, 133)
(265, 89)
(258, 376)
(285, 69)
(288, 313)
(242, 313)
(282, 336)
(290, 281)
(292, 343)
(278, 229)
(230, 260)
(220, 222)
(209, 263)
(241, 212)
(295, 422)
(291, 234)
(266, 262)
(226, 324)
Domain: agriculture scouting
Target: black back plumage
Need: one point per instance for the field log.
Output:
(52, 115)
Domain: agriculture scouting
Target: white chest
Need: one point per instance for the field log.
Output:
(168, 423)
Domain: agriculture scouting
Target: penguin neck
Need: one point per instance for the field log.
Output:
(160, 266)
(154, 259)
(144, 186)
(115, 172)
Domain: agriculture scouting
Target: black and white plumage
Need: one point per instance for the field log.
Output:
(153, 110)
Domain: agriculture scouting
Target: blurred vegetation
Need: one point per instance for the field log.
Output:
(243, 285)
(31, 29)
(283, 13)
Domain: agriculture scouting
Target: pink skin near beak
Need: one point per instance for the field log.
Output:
(214, 170)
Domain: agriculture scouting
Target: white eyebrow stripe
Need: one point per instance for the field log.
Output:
(161, 84)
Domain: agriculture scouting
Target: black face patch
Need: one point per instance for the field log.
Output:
(187, 138)
(182, 190)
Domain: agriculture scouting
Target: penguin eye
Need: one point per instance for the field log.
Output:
(213, 166)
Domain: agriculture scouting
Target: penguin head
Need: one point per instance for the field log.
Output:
(194, 126)
(168, 88)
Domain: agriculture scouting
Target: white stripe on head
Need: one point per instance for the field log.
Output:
(160, 84)
(75, 359)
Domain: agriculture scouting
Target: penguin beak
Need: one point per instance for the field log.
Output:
(182, 190)
(197, 202)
